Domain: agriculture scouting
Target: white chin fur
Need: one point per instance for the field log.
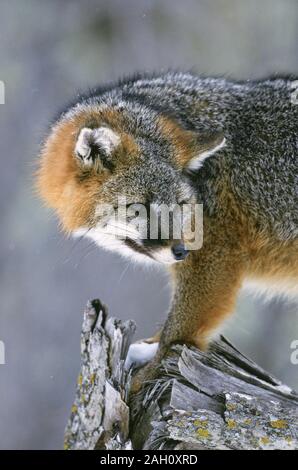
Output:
(164, 256)
(112, 243)
(105, 240)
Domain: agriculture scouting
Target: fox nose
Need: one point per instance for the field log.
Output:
(179, 251)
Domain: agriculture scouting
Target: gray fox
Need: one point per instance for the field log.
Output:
(177, 138)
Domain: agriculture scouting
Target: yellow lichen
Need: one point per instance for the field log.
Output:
(247, 421)
(203, 433)
(74, 409)
(80, 380)
(201, 423)
(264, 440)
(231, 423)
(279, 424)
(92, 378)
(231, 407)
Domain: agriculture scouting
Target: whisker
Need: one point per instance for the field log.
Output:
(123, 272)
(84, 255)
(75, 244)
(125, 229)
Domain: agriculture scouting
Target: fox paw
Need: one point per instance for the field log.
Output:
(140, 353)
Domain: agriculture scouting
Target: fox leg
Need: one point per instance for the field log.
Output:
(206, 287)
(205, 295)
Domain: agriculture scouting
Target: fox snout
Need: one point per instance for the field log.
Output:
(179, 251)
(166, 251)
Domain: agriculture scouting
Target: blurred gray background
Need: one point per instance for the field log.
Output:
(48, 51)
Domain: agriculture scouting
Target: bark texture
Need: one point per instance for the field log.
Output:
(214, 400)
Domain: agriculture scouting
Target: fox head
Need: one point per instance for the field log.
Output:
(99, 158)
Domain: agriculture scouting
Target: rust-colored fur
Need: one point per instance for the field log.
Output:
(63, 183)
(245, 237)
(232, 249)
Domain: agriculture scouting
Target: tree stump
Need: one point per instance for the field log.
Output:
(218, 399)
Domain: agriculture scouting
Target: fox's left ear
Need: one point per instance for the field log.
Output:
(204, 146)
(96, 146)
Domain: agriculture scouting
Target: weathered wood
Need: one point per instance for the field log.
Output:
(100, 416)
(214, 400)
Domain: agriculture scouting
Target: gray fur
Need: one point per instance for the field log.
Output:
(259, 162)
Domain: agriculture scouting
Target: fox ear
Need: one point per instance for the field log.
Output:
(95, 146)
(206, 145)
